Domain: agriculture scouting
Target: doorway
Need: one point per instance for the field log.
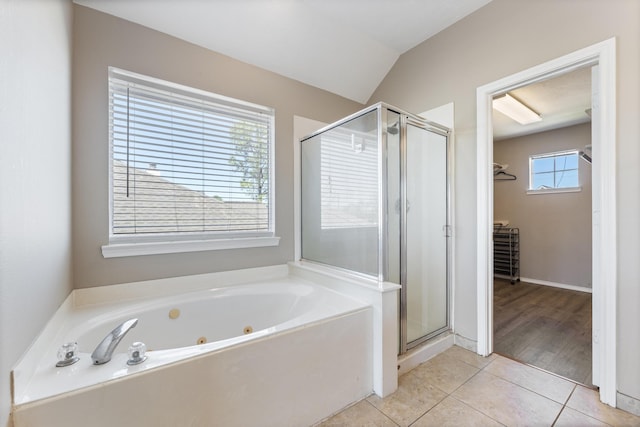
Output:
(542, 226)
(604, 204)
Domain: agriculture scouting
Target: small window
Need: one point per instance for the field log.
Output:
(186, 164)
(553, 171)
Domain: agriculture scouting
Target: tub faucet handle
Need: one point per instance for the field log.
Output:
(67, 354)
(104, 350)
(137, 353)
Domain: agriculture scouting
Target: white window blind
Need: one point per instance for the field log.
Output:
(187, 163)
(349, 180)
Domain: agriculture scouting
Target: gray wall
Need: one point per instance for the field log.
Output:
(35, 230)
(101, 40)
(35, 173)
(502, 38)
(555, 229)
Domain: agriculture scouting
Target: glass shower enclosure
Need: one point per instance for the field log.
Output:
(375, 202)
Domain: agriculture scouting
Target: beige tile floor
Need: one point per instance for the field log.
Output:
(460, 388)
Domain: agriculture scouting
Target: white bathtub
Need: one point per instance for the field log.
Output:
(308, 355)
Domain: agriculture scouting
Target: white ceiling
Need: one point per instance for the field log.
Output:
(346, 47)
(560, 101)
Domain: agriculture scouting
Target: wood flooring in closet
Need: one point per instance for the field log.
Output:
(546, 327)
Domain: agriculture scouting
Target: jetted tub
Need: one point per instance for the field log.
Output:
(279, 351)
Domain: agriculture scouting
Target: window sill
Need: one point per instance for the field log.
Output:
(556, 190)
(116, 250)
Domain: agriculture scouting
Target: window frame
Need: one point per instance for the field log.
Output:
(121, 245)
(552, 190)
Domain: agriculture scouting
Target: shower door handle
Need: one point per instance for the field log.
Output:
(397, 206)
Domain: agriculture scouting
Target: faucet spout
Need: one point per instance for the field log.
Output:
(104, 350)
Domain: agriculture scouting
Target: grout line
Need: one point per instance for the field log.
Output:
(454, 390)
(477, 410)
(575, 387)
(429, 410)
(564, 405)
(468, 379)
(577, 410)
(382, 412)
(510, 381)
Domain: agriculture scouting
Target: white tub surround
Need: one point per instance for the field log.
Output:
(309, 354)
(383, 297)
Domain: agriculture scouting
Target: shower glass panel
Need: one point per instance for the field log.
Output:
(340, 195)
(374, 201)
(426, 281)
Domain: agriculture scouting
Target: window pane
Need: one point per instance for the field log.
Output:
(542, 181)
(569, 161)
(183, 164)
(566, 179)
(558, 170)
(543, 164)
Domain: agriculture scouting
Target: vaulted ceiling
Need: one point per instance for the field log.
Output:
(346, 47)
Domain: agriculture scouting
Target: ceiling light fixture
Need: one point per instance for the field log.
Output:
(511, 107)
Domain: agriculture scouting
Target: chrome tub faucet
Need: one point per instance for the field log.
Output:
(104, 350)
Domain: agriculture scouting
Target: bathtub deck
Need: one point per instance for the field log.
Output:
(290, 379)
(295, 373)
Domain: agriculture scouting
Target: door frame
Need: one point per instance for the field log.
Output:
(604, 252)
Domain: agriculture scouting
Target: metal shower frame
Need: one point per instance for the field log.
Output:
(383, 230)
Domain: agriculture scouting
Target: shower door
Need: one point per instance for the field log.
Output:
(374, 201)
(424, 277)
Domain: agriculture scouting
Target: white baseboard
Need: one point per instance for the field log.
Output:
(556, 285)
(421, 354)
(466, 343)
(628, 403)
